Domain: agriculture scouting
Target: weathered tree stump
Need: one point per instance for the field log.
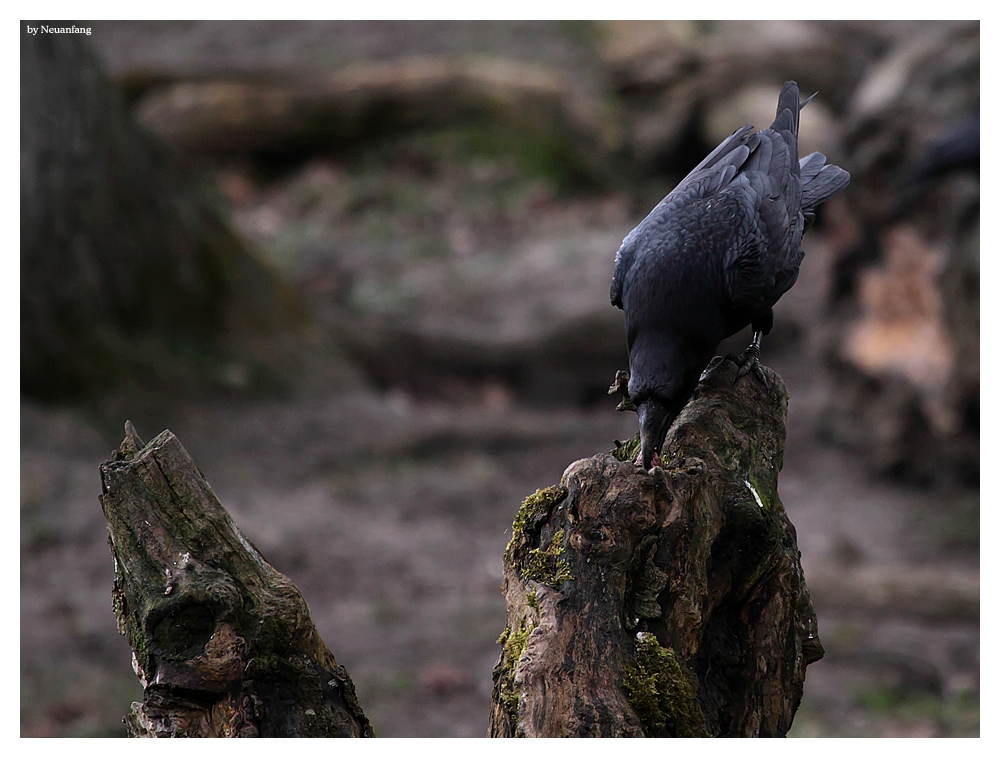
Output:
(223, 644)
(660, 604)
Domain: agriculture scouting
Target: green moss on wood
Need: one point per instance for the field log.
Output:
(532, 600)
(548, 565)
(512, 643)
(536, 508)
(530, 516)
(661, 691)
(760, 493)
(762, 475)
(627, 451)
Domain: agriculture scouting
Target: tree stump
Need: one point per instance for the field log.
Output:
(128, 267)
(223, 644)
(668, 603)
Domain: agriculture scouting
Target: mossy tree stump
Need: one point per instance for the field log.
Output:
(669, 603)
(223, 644)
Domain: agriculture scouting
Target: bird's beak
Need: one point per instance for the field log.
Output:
(654, 421)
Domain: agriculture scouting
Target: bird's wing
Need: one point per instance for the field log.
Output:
(765, 233)
(745, 272)
(763, 259)
(623, 262)
(717, 170)
(722, 153)
(711, 177)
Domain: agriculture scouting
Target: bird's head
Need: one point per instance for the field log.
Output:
(655, 417)
(662, 378)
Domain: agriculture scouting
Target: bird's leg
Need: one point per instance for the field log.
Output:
(751, 356)
(750, 360)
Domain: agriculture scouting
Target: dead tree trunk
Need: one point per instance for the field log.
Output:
(128, 268)
(223, 644)
(661, 604)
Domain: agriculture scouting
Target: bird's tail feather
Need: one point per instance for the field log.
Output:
(820, 180)
(786, 117)
(760, 156)
(783, 136)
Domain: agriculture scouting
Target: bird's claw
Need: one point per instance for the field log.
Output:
(750, 361)
(763, 376)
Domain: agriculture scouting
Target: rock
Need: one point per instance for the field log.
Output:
(648, 53)
(537, 316)
(743, 52)
(666, 73)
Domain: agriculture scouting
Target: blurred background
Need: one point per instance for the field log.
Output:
(361, 269)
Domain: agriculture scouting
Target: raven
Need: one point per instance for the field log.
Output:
(712, 257)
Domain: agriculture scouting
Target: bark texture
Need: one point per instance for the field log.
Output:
(223, 644)
(661, 604)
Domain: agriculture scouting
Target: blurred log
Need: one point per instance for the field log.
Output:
(127, 267)
(223, 644)
(543, 114)
(562, 364)
(933, 595)
(660, 604)
(251, 114)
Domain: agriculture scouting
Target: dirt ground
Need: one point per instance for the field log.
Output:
(386, 491)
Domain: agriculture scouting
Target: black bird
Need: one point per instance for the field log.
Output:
(712, 257)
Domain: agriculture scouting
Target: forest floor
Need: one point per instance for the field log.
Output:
(390, 508)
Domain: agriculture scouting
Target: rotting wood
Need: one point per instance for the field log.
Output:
(223, 644)
(663, 603)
